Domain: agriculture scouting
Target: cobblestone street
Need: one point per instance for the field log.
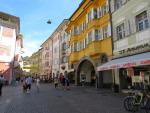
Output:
(50, 100)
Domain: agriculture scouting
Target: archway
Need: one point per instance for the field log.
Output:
(86, 70)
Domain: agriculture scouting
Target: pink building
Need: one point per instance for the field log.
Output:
(10, 41)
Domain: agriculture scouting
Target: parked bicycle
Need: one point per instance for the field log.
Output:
(137, 100)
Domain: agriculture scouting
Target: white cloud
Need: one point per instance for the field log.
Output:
(33, 41)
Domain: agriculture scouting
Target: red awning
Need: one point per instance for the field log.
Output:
(126, 62)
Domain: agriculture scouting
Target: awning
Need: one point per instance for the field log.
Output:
(126, 62)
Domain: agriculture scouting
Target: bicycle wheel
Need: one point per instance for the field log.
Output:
(147, 106)
(129, 104)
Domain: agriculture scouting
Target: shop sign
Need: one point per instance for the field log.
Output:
(145, 62)
(129, 64)
(129, 50)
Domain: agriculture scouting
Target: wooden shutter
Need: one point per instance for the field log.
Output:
(87, 18)
(109, 30)
(107, 6)
(114, 33)
(92, 13)
(93, 35)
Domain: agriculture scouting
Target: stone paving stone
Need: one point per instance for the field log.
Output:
(51, 100)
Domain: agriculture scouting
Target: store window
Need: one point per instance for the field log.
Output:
(120, 31)
(142, 21)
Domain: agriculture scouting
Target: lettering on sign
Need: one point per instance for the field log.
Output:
(128, 50)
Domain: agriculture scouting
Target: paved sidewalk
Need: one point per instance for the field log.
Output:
(51, 100)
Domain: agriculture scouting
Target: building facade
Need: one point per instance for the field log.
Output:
(64, 47)
(9, 30)
(89, 32)
(26, 66)
(131, 42)
(18, 62)
(33, 60)
(55, 53)
(47, 57)
(40, 62)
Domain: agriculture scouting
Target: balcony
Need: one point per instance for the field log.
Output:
(74, 38)
(99, 22)
(73, 57)
(94, 49)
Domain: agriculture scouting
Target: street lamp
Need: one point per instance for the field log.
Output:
(49, 21)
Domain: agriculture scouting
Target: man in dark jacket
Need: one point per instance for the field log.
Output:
(1, 83)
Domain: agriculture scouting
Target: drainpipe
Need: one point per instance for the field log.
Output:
(112, 40)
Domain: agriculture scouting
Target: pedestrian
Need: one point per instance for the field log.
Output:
(83, 81)
(67, 84)
(28, 82)
(56, 82)
(38, 84)
(63, 82)
(24, 85)
(1, 83)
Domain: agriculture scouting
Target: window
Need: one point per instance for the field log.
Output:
(46, 64)
(89, 16)
(90, 37)
(55, 50)
(75, 47)
(64, 46)
(72, 49)
(76, 31)
(104, 58)
(120, 31)
(86, 42)
(64, 59)
(104, 9)
(81, 45)
(105, 32)
(142, 21)
(99, 12)
(95, 14)
(78, 46)
(118, 4)
(98, 34)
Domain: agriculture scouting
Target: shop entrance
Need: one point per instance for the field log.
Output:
(86, 72)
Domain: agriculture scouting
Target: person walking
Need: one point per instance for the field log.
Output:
(56, 82)
(24, 85)
(28, 82)
(38, 84)
(67, 84)
(1, 83)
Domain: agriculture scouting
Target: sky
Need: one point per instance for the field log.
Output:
(34, 15)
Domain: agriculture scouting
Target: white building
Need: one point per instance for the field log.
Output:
(47, 57)
(131, 40)
(64, 47)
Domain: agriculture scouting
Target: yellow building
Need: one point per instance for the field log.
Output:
(90, 41)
